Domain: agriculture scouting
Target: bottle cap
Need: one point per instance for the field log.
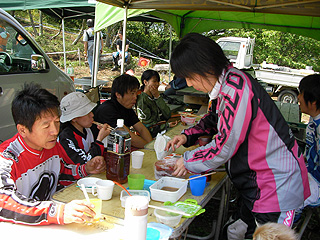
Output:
(120, 122)
(137, 205)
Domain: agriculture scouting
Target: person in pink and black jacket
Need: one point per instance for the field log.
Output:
(249, 136)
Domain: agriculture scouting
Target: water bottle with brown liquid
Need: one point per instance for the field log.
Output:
(118, 154)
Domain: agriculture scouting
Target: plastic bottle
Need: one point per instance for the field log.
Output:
(70, 72)
(136, 218)
(118, 154)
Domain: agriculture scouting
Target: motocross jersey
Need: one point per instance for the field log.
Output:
(312, 151)
(151, 111)
(80, 147)
(29, 179)
(254, 141)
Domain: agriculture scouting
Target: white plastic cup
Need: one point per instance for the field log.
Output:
(103, 189)
(137, 159)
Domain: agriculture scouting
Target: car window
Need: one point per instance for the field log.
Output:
(15, 50)
(230, 49)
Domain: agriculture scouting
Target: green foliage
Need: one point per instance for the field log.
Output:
(275, 47)
(283, 49)
(153, 37)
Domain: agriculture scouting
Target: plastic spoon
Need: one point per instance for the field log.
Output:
(83, 188)
(122, 188)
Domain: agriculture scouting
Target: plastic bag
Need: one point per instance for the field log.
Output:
(160, 144)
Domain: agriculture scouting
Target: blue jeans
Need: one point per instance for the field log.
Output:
(116, 55)
(90, 60)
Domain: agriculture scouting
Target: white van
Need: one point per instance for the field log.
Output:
(23, 61)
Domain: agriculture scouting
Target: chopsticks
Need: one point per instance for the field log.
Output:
(100, 124)
(168, 209)
(188, 179)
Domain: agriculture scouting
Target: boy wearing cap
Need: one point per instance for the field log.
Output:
(76, 137)
(31, 161)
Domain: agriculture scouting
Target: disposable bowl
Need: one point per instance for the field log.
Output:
(188, 119)
(124, 195)
(88, 182)
(168, 218)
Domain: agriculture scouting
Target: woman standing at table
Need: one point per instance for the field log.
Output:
(251, 137)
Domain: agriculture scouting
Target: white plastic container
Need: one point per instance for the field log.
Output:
(168, 189)
(168, 218)
(124, 195)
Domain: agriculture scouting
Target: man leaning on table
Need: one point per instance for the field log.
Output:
(31, 161)
(124, 94)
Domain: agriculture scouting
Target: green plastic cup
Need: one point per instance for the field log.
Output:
(136, 181)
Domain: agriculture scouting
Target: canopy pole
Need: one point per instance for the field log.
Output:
(124, 39)
(64, 47)
(97, 38)
(170, 50)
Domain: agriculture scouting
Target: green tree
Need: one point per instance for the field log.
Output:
(283, 49)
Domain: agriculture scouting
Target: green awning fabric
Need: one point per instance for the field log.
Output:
(296, 16)
(37, 4)
(107, 15)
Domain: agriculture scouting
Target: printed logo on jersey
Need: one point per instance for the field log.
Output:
(53, 210)
(9, 155)
(231, 103)
(42, 189)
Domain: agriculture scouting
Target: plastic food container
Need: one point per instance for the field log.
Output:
(165, 231)
(165, 166)
(168, 218)
(124, 195)
(189, 119)
(168, 189)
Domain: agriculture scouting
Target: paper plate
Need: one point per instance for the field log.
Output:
(88, 182)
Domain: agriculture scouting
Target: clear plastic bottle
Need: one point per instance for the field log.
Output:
(118, 154)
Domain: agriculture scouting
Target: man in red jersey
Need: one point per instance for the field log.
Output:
(31, 161)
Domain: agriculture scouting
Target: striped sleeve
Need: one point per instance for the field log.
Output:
(235, 112)
(16, 208)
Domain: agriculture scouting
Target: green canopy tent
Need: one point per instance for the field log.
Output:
(299, 17)
(296, 16)
(62, 9)
(68, 9)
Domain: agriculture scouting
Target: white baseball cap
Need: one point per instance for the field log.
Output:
(75, 104)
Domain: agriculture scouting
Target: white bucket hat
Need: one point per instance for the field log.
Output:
(75, 104)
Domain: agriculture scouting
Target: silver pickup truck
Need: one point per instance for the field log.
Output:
(23, 61)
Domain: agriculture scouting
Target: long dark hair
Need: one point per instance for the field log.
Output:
(197, 54)
(147, 75)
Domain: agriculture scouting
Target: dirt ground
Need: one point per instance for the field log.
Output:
(105, 73)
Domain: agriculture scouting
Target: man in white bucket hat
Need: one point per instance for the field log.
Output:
(76, 136)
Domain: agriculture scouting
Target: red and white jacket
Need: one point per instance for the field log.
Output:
(29, 179)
